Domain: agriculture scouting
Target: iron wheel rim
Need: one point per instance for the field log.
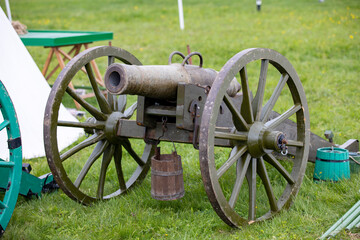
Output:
(207, 134)
(51, 117)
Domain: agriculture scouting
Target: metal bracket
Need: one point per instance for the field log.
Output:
(14, 143)
(282, 145)
(195, 113)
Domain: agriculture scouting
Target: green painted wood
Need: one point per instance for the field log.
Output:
(4, 176)
(30, 185)
(4, 124)
(332, 164)
(340, 221)
(14, 163)
(328, 153)
(2, 205)
(61, 38)
(4, 164)
(354, 163)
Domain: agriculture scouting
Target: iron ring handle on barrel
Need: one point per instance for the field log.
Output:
(176, 53)
(190, 55)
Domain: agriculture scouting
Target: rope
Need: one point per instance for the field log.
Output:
(354, 160)
(20, 28)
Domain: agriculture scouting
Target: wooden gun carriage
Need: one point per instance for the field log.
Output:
(217, 112)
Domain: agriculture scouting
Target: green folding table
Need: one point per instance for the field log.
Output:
(55, 40)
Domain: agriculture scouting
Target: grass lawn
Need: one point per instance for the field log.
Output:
(322, 42)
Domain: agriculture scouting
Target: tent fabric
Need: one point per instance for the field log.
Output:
(29, 92)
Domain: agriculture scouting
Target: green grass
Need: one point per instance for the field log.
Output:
(322, 41)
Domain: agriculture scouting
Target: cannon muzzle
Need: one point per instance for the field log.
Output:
(159, 81)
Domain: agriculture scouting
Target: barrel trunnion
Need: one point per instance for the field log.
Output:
(185, 104)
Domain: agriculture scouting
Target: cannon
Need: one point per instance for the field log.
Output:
(227, 115)
(15, 177)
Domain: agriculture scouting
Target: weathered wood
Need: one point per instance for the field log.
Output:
(167, 182)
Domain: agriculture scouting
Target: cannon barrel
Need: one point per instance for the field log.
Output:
(159, 81)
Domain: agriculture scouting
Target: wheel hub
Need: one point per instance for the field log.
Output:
(111, 126)
(261, 140)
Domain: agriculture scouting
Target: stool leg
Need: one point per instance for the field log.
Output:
(57, 66)
(62, 65)
(47, 63)
(96, 69)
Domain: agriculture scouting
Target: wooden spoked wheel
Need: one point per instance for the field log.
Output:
(272, 183)
(100, 165)
(11, 168)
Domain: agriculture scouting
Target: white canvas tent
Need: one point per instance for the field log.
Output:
(29, 92)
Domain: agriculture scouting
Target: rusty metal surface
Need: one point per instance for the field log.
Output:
(187, 94)
(159, 81)
(352, 145)
(289, 127)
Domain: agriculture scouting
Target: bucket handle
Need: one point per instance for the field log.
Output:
(354, 160)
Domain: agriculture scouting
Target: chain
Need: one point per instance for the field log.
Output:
(282, 145)
(164, 129)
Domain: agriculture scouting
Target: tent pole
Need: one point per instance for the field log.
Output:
(8, 9)
(181, 15)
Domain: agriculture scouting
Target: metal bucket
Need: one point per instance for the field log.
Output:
(332, 164)
(167, 182)
(354, 162)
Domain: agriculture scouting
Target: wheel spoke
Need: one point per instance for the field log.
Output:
(119, 171)
(130, 111)
(87, 142)
(268, 188)
(91, 109)
(251, 177)
(4, 164)
(107, 156)
(281, 118)
(234, 150)
(239, 136)
(4, 124)
(259, 97)
(98, 125)
(275, 163)
(293, 143)
(241, 169)
(98, 150)
(127, 145)
(246, 108)
(121, 103)
(252, 136)
(274, 97)
(232, 159)
(238, 120)
(111, 60)
(2, 205)
(95, 147)
(103, 104)
(112, 101)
